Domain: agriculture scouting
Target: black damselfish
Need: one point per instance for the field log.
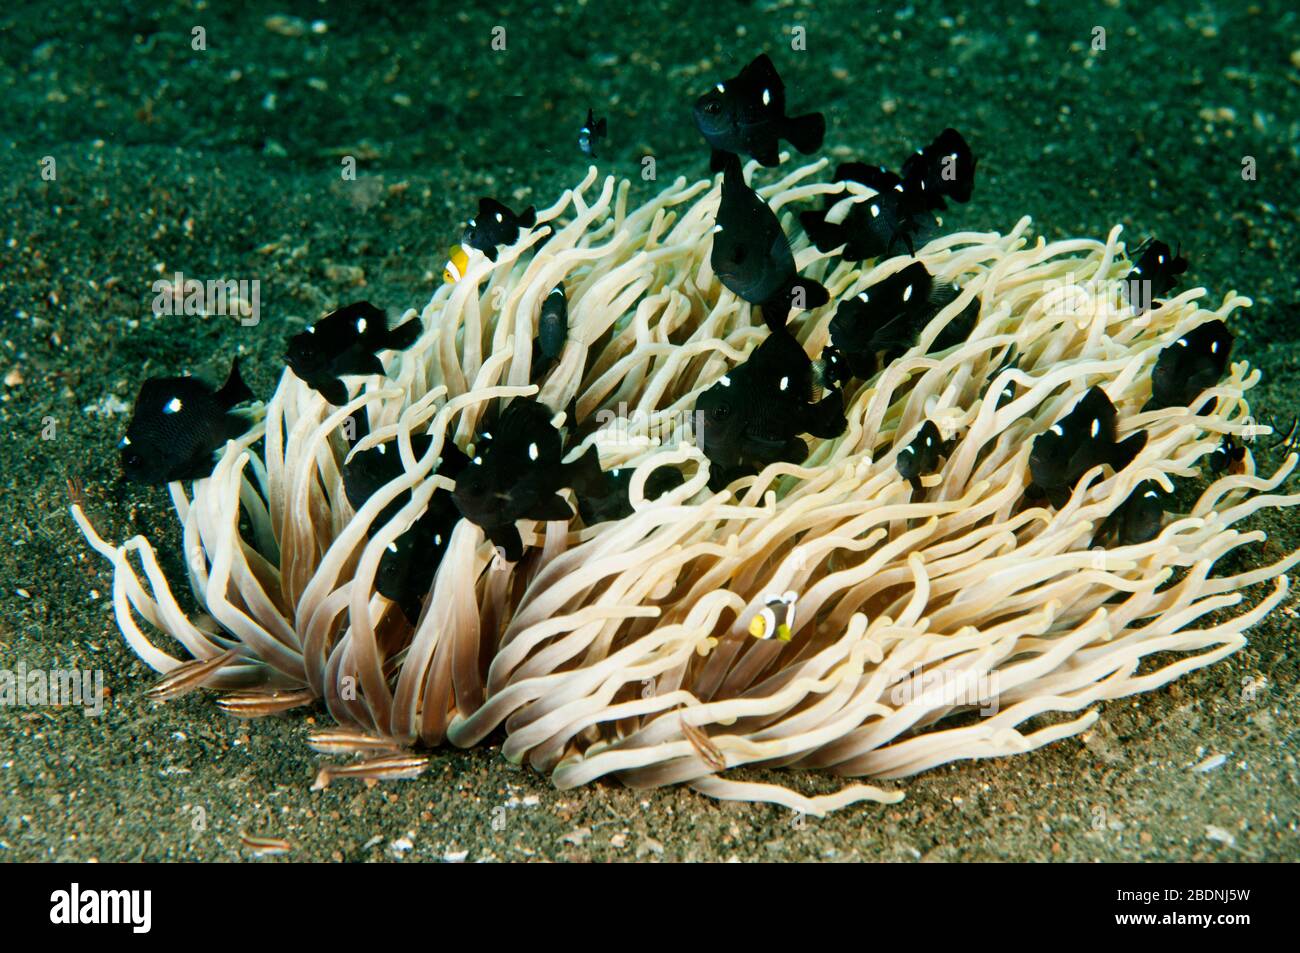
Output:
(407, 565)
(1139, 518)
(517, 474)
(753, 415)
(945, 169)
(553, 324)
(1079, 441)
(1189, 366)
(346, 342)
(367, 471)
(751, 255)
(890, 315)
(900, 214)
(178, 424)
(590, 134)
(875, 227)
(607, 498)
(746, 116)
(921, 457)
(1155, 274)
(495, 225)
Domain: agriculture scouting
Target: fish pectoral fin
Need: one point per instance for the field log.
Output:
(550, 508)
(333, 390)
(1124, 452)
(508, 542)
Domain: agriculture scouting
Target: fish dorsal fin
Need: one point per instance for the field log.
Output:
(234, 390)
(761, 74)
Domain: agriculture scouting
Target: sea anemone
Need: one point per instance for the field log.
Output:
(958, 621)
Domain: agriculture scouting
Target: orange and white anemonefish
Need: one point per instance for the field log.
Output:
(456, 265)
(776, 618)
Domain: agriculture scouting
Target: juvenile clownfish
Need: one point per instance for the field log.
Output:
(456, 265)
(776, 618)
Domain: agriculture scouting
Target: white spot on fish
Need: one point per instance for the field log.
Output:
(716, 229)
(361, 325)
(725, 381)
(1056, 429)
(875, 211)
(478, 461)
(1214, 348)
(863, 296)
(1182, 342)
(437, 539)
(392, 547)
(720, 88)
(382, 448)
(1149, 495)
(532, 451)
(499, 218)
(907, 293)
(173, 406)
(785, 382)
(1096, 427)
(906, 450)
(126, 442)
(767, 97)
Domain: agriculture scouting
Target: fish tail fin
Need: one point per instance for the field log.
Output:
(826, 236)
(806, 132)
(234, 390)
(814, 293)
(802, 293)
(402, 337)
(528, 218)
(585, 474)
(1124, 452)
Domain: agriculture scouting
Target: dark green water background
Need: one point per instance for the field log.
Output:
(225, 163)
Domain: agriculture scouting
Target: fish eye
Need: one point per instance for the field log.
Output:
(713, 107)
(721, 412)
